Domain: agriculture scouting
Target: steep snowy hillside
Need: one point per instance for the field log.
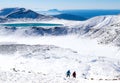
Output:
(48, 64)
(107, 30)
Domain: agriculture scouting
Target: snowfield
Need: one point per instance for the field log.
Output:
(46, 60)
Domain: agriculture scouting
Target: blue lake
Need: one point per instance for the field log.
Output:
(31, 24)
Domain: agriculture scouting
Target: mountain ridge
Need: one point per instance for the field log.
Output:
(21, 13)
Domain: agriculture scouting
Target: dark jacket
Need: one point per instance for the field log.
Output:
(68, 73)
(74, 74)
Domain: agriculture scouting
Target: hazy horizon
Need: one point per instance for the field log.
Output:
(38, 9)
(62, 4)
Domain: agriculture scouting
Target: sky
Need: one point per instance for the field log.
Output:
(61, 4)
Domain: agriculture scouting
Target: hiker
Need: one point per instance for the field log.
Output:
(68, 73)
(74, 74)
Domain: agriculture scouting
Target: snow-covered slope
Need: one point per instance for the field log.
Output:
(48, 64)
(107, 30)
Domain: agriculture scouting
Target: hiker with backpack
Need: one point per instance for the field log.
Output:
(68, 73)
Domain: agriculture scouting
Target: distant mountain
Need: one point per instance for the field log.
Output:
(53, 10)
(25, 14)
(62, 15)
(21, 13)
(69, 17)
(50, 12)
(7, 11)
